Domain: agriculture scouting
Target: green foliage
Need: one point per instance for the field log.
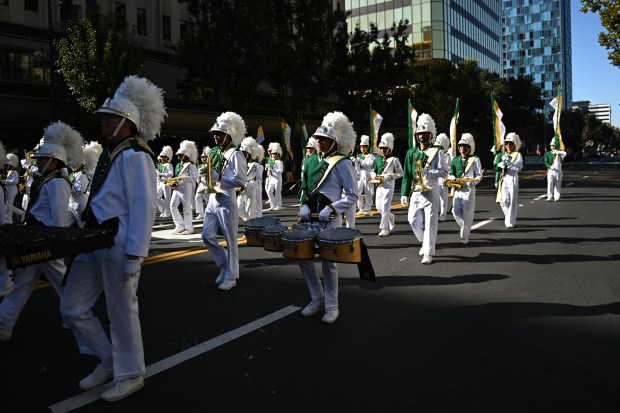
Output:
(93, 58)
(609, 12)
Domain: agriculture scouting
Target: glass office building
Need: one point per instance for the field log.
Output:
(454, 30)
(537, 43)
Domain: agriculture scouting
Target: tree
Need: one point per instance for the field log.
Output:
(609, 12)
(93, 58)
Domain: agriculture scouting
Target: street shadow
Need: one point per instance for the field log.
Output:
(533, 259)
(420, 280)
(514, 310)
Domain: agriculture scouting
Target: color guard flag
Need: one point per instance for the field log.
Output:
(556, 104)
(304, 131)
(499, 130)
(453, 123)
(411, 119)
(260, 135)
(286, 136)
(375, 123)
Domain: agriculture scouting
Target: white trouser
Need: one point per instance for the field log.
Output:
(365, 190)
(258, 200)
(423, 218)
(464, 206)
(182, 196)
(384, 205)
(245, 204)
(92, 273)
(11, 192)
(25, 280)
(443, 199)
(554, 183)
(222, 213)
(510, 198)
(201, 199)
(329, 270)
(274, 192)
(164, 192)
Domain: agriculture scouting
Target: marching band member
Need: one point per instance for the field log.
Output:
(10, 185)
(79, 187)
(324, 199)
(30, 167)
(92, 151)
(310, 167)
(443, 143)
(349, 215)
(61, 145)
(123, 196)
(364, 188)
(6, 284)
(246, 198)
(467, 166)
(268, 164)
(388, 169)
(259, 157)
(420, 191)
(510, 163)
(275, 169)
(183, 193)
(553, 161)
(229, 171)
(202, 197)
(165, 170)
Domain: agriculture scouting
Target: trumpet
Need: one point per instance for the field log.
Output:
(173, 182)
(419, 185)
(377, 180)
(212, 187)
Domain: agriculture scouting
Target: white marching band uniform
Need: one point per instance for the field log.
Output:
(365, 189)
(390, 171)
(164, 192)
(184, 193)
(6, 284)
(246, 200)
(464, 199)
(260, 170)
(443, 142)
(202, 197)
(350, 213)
(275, 170)
(222, 212)
(511, 166)
(554, 175)
(10, 184)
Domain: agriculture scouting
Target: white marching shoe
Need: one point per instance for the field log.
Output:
(384, 233)
(123, 388)
(95, 379)
(331, 315)
(227, 284)
(427, 259)
(313, 307)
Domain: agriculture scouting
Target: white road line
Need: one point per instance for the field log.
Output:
(540, 197)
(569, 184)
(480, 224)
(93, 395)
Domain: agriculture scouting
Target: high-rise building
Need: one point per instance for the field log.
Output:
(537, 43)
(601, 111)
(449, 29)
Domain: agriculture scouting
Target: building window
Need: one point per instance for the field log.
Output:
(120, 15)
(141, 22)
(20, 65)
(31, 5)
(166, 32)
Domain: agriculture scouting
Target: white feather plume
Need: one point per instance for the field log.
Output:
(166, 151)
(345, 135)
(59, 133)
(237, 128)
(91, 154)
(425, 123)
(260, 153)
(514, 138)
(468, 139)
(275, 147)
(443, 141)
(387, 139)
(149, 100)
(248, 145)
(189, 148)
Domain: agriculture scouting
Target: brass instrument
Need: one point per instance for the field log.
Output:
(420, 184)
(457, 183)
(173, 182)
(377, 180)
(212, 187)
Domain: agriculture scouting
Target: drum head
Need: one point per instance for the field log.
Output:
(297, 235)
(261, 222)
(274, 229)
(340, 234)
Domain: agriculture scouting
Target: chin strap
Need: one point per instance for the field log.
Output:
(118, 128)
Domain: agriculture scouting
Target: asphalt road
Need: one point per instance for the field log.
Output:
(518, 320)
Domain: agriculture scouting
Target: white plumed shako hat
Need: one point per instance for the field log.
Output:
(92, 151)
(468, 139)
(514, 138)
(337, 126)
(60, 141)
(260, 153)
(311, 143)
(443, 141)
(231, 124)
(167, 152)
(387, 141)
(140, 101)
(11, 159)
(425, 123)
(189, 149)
(205, 151)
(365, 140)
(275, 147)
(248, 145)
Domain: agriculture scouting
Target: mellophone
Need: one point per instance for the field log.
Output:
(301, 242)
(24, 245)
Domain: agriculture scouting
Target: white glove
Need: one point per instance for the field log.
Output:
(373, 175)
(133, 266)
(502, 165)
(451, 177)
(505, 158)
(404, 201)
(325, 213)
(304, 212)
(387, 177)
